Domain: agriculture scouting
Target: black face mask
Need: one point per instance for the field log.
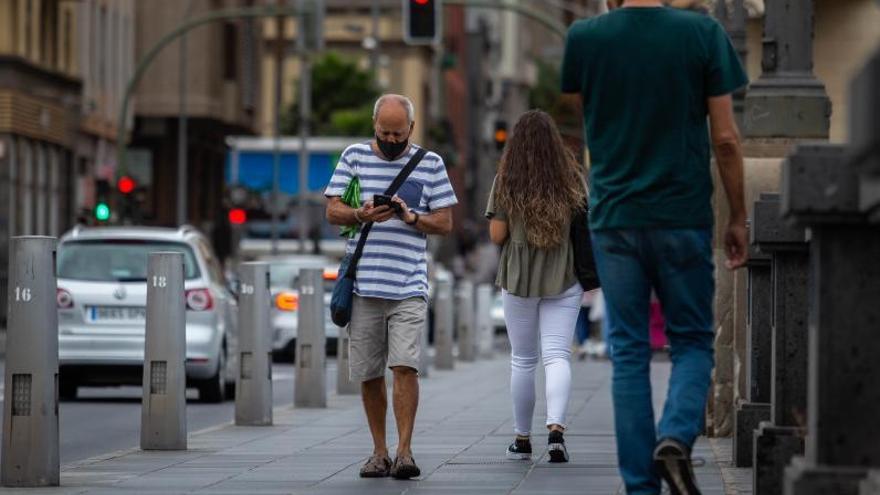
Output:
(390, 149)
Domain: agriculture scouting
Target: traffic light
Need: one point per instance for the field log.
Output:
(126, 184)
(102, 212)
(421, 21)
(500, 134)
(237, 216)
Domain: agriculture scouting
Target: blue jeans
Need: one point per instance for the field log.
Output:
(677, 263)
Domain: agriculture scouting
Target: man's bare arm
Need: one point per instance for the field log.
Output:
(729, 159)
(435, 223)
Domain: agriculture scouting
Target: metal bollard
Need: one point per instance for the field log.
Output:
(344, 384)
(30, 407)
(253, 392)
(464, 321)
(443, 324)
(311, 342)
(163, 410)
(485, 330)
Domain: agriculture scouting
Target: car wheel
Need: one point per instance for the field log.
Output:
(67, 389)
(214, 389)
(287, 354)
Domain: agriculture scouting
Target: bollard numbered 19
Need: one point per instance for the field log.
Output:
(163, 410)
(253, 397)
(311, 341)
(464, 321)
(30, 409)
(443, 326)
(485, 330)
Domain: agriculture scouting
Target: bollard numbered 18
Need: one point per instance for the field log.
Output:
(485, 330)
(311, 341)
(253, 397)
(30, 407)
(163, 410)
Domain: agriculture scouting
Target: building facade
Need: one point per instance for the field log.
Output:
(220, 80)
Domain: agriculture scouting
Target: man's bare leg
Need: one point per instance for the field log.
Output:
(375, 405)
(406, 402)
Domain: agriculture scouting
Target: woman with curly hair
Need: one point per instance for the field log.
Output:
(538, 188)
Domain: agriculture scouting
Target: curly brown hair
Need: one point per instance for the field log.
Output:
(539, 181)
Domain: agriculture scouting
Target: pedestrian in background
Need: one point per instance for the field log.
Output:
(391, 283)
(646, 78)
(539, 187)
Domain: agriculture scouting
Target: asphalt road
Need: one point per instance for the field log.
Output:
(104, 420)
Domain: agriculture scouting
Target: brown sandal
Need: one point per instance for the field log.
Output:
(405, 468)
(376, 467)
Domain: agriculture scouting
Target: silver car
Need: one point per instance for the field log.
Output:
(283, 283)
(102, 294)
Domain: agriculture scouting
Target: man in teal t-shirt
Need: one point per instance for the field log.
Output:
(655, 84)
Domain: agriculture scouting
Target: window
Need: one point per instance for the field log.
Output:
(102, 48)
(230, 51)
(119, 260)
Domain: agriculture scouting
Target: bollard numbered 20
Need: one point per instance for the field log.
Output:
(464, 321)
(311, 341)
(253, 397)
(30, 409)
(163, 410)
(485, 330)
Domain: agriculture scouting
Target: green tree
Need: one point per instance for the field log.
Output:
(547, 96)
(342, 99)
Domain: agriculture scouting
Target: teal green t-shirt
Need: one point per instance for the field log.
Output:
(645, 75)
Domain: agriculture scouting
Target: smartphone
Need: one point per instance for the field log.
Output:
(385, 200)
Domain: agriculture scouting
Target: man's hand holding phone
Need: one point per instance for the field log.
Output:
(373, 212)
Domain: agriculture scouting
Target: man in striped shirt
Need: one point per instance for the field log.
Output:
(391, 285)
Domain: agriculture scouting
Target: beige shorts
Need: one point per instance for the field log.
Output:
(384, 332)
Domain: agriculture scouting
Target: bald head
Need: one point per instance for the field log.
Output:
(393, 121)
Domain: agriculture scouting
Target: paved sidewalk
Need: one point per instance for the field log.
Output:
(464, 426)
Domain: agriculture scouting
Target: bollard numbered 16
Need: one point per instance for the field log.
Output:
(163, 409)
(485, 330)
(466, 329)
(311, 341)
(253, 397)
(30, 407)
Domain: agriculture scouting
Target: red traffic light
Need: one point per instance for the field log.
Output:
(237, 216)
(126, 184)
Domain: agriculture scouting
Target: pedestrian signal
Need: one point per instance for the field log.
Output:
(421, 21)
(102, 212)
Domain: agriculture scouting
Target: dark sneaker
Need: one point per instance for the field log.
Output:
(376, 467)
(404, 468)
(672, 460)
(520, 449)
(556, 447)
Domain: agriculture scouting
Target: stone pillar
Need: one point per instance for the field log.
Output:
(756, 408)
(732, 15)
(778, 440)
(787, 101)
(821, 191)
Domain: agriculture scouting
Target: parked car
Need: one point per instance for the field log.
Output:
(102, 292)
(284, 283)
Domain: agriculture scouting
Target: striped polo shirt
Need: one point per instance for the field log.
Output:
(393, 264)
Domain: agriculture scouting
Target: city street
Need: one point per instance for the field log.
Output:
(104, 420)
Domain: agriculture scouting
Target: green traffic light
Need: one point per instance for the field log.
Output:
(102, 212)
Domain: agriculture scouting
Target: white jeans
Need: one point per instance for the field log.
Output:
(550, 320)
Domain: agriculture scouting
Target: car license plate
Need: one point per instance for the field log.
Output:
(118, 313)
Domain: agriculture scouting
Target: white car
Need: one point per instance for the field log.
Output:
(283, 284)
(102, 292)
